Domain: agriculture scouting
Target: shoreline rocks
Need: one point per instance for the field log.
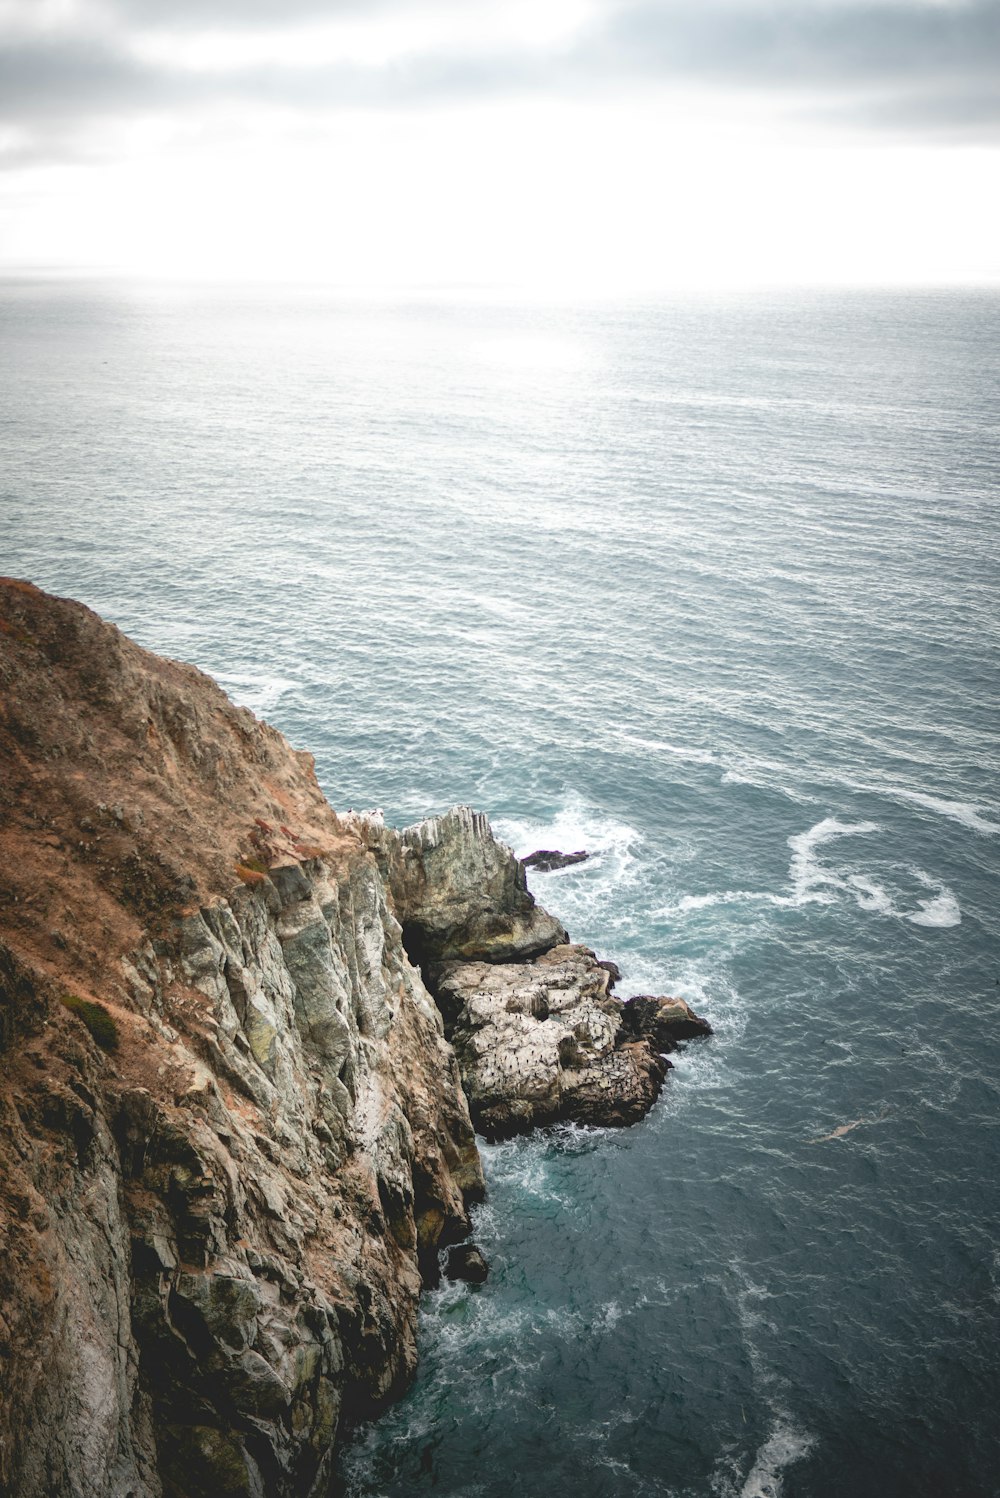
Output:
(537, 1033)
(548, 859)
(544, 1040)
(214, 1233)
(460, 894)
(663, 1021)
(467, 1262)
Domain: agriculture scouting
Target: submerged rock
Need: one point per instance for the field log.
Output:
(466, 1262)
(548, 859)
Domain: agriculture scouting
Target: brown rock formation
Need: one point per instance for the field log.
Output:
(212, 1226)
(233, 1135)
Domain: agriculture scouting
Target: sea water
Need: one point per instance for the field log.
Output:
(709, 589)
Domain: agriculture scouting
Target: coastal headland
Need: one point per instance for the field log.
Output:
(246, 1043)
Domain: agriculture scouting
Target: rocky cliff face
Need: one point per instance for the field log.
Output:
(233, 1134)
(464, 894)
(222, 1181)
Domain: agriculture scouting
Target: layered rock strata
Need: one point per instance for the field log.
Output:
(233, 1133)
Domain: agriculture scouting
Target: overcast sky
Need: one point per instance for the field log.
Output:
(550, 144)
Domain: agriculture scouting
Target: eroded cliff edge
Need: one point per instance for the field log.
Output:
(233, 1134)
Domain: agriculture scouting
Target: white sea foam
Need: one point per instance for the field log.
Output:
(940, 909)
(721, 897)
(966, 812)
(809, 879)
(688, 903)
(872, 896)
(766, 774)
(583, 895)
(686, 752)
(261, 694)
(524, 1162)
(815, 883)
(607, 1316)
(576, 825)
(811, 882)
(783, 1446)
(785, 1443)
(944, 911)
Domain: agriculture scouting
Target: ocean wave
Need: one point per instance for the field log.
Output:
(589, 898)
(761, 773)
(767, 775)
(575, 825)
(685, 752)
(968, 813)
(526, 1166)
(587, 890)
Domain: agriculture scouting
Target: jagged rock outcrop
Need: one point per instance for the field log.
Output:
(663, 1021)
(546, 1040)
(234, 1135)
(466, 1262)
(462, 895)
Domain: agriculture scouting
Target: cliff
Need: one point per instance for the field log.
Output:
(233, 1133)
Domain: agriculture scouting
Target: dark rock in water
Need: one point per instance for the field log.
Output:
(612, 969)
(466, 1262)
(663, 1021)
(548, 859)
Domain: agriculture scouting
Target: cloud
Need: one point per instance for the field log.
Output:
(927, 68)
(69, 78)
(180, 14)
(923, 67)
(799, 42)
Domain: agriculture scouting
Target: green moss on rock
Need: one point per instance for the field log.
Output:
(96, 1018)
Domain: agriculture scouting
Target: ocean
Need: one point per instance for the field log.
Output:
(707, 587)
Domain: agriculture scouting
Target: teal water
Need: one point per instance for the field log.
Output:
(708, 588)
